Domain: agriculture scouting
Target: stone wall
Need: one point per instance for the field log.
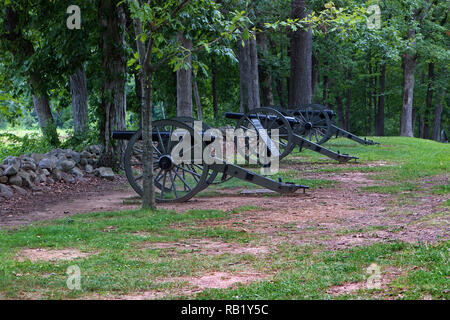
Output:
(29, 171)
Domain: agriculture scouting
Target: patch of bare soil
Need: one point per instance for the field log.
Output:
(205, 247)
(50, 255)
(382, 284)
(321, 215)
(214, 280)
(221, 280)
(62, 200)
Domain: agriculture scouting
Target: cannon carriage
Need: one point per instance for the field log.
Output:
(317, 123)
(178, 180)
(290, 130)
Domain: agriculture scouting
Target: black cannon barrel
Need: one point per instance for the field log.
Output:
(122, 135)
(126, 135)
(238, 115)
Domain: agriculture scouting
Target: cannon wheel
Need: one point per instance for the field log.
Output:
(212, 174)
(314, 123)
(173, 182)
(270, 119)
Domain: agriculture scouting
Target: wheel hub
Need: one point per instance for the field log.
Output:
(308, 126)
(166, 162)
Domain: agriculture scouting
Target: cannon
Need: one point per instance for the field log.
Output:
(317, 123)
(178, 181)
(291, 131)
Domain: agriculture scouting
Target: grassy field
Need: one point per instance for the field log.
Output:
(144, 254)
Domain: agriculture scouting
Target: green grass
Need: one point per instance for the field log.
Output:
(392, 189)
(405, 161)
(310, 275)
(442, 189)
(115, 239)
(119, 265)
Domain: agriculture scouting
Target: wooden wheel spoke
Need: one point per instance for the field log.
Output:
(183, 180)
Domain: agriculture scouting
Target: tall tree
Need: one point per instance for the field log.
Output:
(300, 91)
(249, 78)
(408, 65)
(17, 42)
(379, 118)
(78, 90)
(114, 64)
(265, 75)
(436, 134)
(184, 80)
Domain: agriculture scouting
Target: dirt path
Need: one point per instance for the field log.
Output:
(63, 200)
(327, 213)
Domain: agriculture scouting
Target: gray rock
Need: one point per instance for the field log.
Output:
(11, 170)
(75, 156)
(56, 174)
(4, 179)
(77, 172)
(19, 190)
(95, 149)
(83, 161)
(88, 168)
(6, 191)
(37, 157)
(1, 172)
(49, 180)
(12, 161)
(66, 165)
(15, 180)
(48, 163)
(104, 172)
(56, 152)
(28, 165)
(68, 178)
(42, 178)
(26, 178)
(33, 175)
(45, 171)
(85, 154)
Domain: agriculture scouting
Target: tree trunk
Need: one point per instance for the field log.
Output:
(340, 111)
(421, 126)
(315, 74)
(146, 78)
(42, 107)
(214, 88)
(22, 49)
(264, 74)
(429, 102)
(279, 81)
(249, 79)
(438, 117)
(348, 101)
(184, 81)
(409, 64)
(254, 92)
(197, 99)
(325, 89)
(78, 90)
(300, 91)
(379, 121)
(244, 75)
(114, 64)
